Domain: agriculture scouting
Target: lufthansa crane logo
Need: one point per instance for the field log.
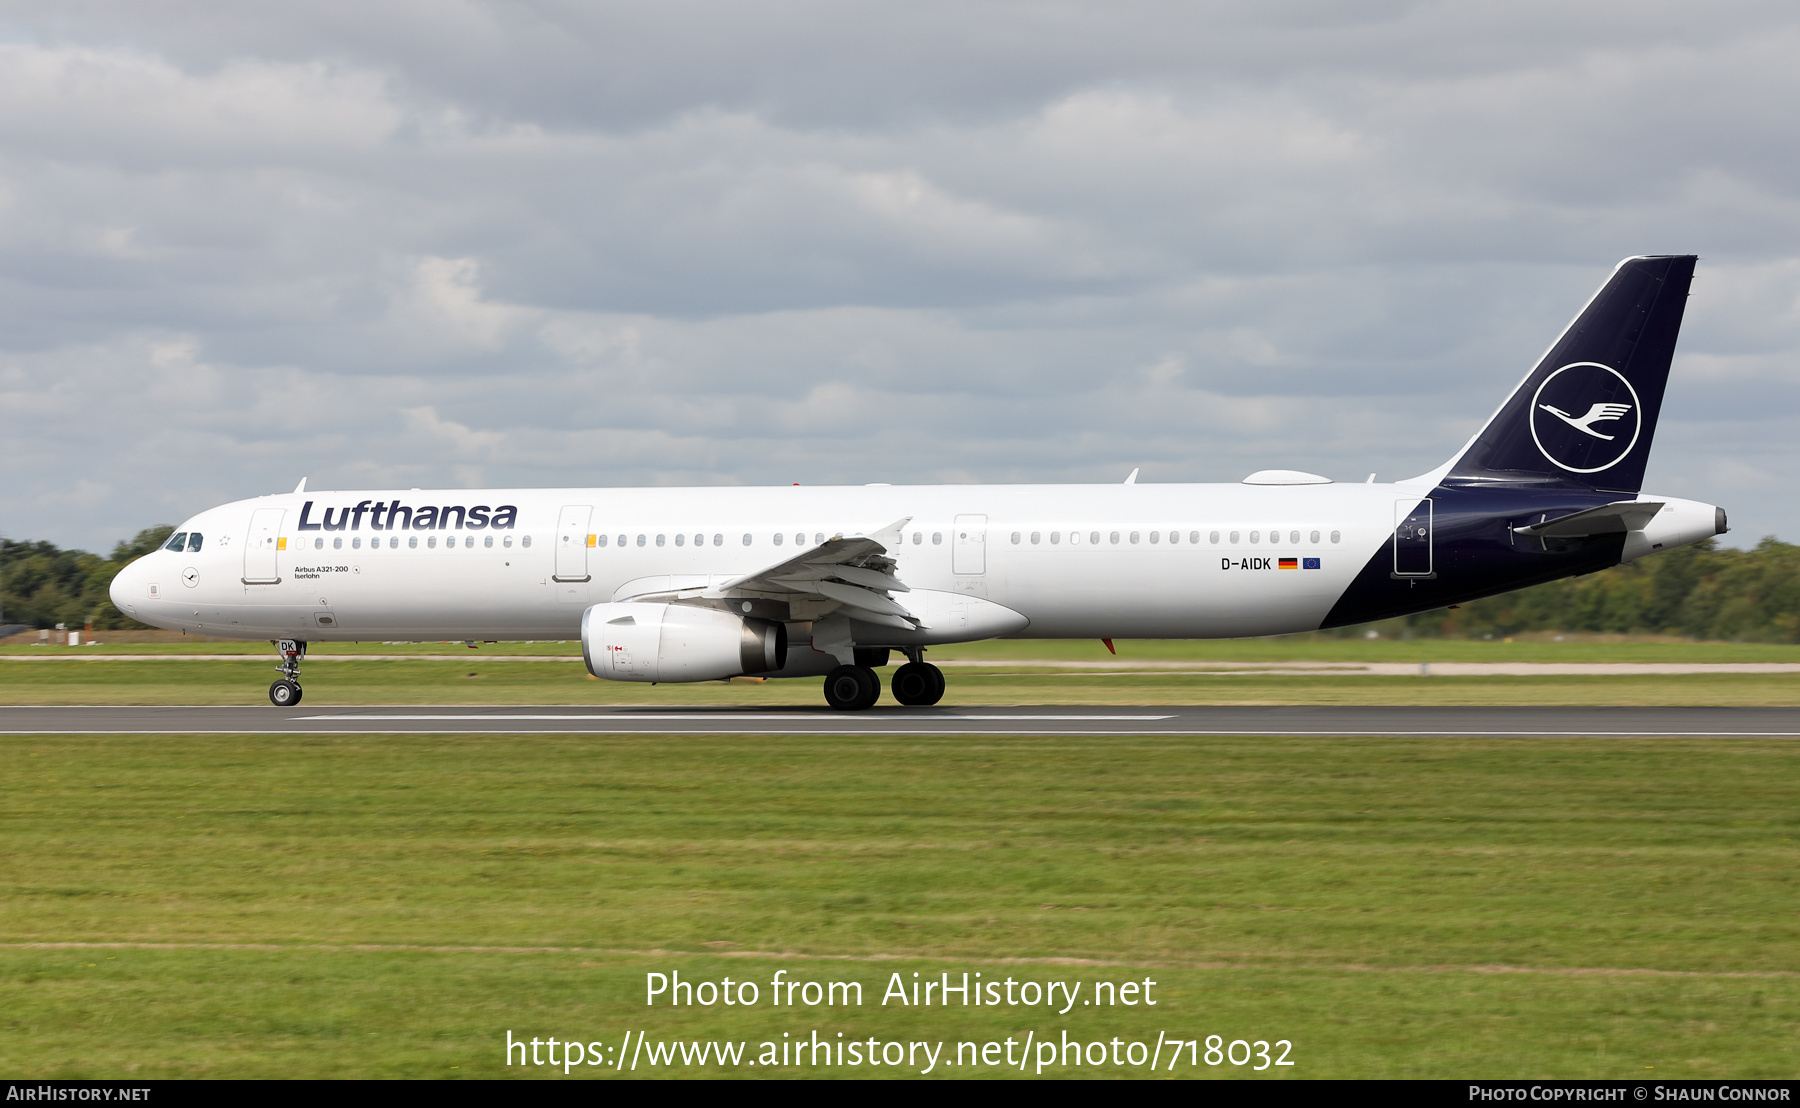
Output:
(1585, 417)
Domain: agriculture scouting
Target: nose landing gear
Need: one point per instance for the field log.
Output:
(285, 693)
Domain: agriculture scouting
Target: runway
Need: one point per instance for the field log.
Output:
(1516, 722)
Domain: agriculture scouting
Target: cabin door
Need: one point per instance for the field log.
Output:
(1412, 538)
(968, 549)
(572, 542)
(260, 546)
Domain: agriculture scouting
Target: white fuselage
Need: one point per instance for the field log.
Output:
(1042, 561)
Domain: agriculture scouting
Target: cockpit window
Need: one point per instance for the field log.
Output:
(178, 543)
(193, 541)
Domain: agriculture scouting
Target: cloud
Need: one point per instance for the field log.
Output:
(408, 244)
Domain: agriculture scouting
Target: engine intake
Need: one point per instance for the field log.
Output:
(678, 642)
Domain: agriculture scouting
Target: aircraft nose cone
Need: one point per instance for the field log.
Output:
(126, 588)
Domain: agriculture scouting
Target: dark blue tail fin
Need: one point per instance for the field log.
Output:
(1586, 415)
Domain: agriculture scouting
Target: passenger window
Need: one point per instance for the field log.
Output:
(356, 543)
(1256, 536)
(800, 539)
(1134, 538)
(177, 543)
(431, 542)
(1074, 538)
(1234, 538)
(468, 542)
(1334, 536)
(337, 543)
(680, 540)
(599, 540)
(659, 540)
(506, 541)
(624, 540)
(640, 540)
(1034, 537)
(1055, 537)
(746, 538)
(525, 540)
(1115, 538)
(487, 542)
(937, 538)
(1015, 538)
(318, 544)
(193, 542)
(718, 540)
(1213, 537)
(918, 538)
(412, 542)
(1294, 538)
(778, 538)
(819, 539)
(1094, 538)
(1315, 538)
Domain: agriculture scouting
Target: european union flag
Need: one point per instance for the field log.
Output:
(1309, 563)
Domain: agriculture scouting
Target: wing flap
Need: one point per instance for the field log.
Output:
(852, 572)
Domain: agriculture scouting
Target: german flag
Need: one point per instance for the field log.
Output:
(1289, 563)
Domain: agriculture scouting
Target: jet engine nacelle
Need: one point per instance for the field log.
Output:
(678, 642)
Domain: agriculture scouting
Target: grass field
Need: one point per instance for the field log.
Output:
(499, 680)
(1287, 648)
(393, 906)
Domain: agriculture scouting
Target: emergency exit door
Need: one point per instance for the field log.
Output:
(1412, 538)
(968, 545)
(572, 542)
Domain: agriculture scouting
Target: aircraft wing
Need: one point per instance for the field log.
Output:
(1607, 519)
(851, 572)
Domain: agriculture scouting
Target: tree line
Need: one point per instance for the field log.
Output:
(1702, 592)
(43, 586)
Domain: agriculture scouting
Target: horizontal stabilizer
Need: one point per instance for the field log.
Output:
(1607, 519)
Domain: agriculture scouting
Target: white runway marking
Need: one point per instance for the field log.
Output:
(497, 717)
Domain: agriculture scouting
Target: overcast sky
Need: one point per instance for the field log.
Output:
(548, 243)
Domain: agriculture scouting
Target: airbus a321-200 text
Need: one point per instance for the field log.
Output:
(701, 584)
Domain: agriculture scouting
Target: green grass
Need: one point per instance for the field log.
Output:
(1395, 907)
(1289, 648)
(498, 680)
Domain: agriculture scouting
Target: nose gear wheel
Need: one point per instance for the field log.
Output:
(285, 693)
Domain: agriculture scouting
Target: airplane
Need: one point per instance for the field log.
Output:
(702, 584)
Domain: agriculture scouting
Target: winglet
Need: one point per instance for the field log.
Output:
(1132, 480)
(301, 487)
(890, 535)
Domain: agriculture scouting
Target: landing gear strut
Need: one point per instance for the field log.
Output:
(852, 688)
(285, 693)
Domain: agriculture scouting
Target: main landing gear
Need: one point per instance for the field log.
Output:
(285, 693)
(854, 688)
(919, 684)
